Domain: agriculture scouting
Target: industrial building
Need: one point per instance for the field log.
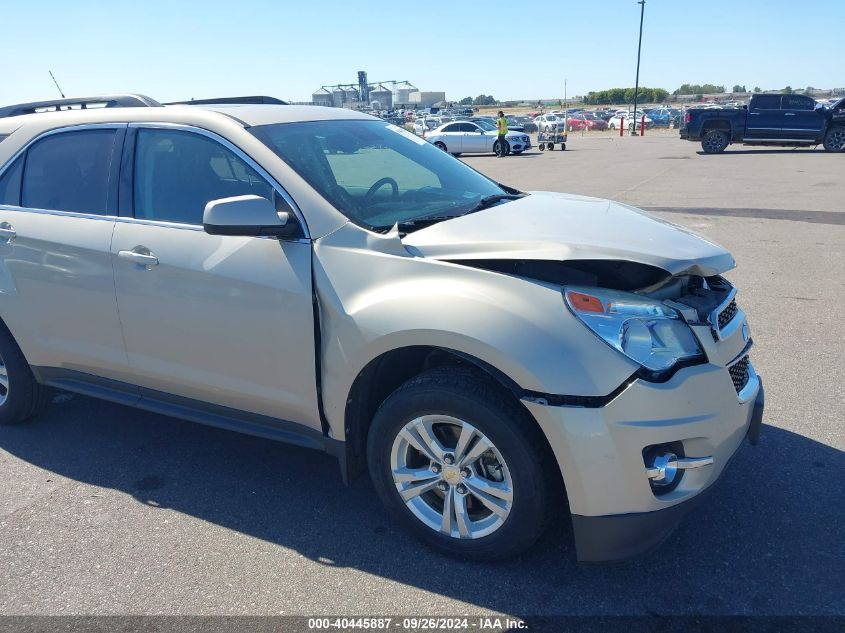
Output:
(382, 95)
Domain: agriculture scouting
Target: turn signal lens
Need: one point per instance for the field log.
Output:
(584, 303)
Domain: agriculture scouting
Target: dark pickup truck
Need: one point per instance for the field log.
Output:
(770, 119)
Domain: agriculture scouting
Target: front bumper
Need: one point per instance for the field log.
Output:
(519, 145)
(600, 452)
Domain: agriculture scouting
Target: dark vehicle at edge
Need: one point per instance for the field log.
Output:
(786, 120)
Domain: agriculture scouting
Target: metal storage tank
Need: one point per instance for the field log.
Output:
(350, 94)
(338, 97)
(322, 97)
(383, 96)
(402, 93)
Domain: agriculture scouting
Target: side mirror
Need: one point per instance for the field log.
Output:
(248, 216)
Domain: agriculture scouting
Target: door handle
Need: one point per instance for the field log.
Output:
(7, 232)
(790, 114)
(753, 114)
(140, 255)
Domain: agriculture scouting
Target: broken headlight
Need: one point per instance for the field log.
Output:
(646, 331)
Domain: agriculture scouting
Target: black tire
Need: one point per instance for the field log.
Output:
(834, 140)
(24, 397)
(714, 141)
(551, 146)
(497, 148)
(612, 126)
(470, 397)
(563, 147)
(542, 146)
(440, 145)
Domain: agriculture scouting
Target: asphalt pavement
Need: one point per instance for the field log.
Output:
(110, 510)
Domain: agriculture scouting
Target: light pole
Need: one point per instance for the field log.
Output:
(637, 83)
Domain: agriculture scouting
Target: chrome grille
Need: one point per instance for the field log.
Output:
(739, 373)
(726, 315)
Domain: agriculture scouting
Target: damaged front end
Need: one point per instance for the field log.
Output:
(647, 314)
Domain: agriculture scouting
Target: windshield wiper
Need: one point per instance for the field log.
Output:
(489, 201)
(423, 221)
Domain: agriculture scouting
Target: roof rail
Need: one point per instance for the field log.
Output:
(81, 103)
(235, 100)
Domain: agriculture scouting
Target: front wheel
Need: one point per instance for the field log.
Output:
(834, 140)
(461, 465)
(714, 141)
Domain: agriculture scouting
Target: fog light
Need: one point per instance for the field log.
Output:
(665, 469)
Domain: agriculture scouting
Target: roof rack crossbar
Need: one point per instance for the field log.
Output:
(79, 103)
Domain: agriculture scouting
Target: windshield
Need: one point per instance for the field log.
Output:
(375, 173)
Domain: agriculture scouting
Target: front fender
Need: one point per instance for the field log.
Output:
(375, 297)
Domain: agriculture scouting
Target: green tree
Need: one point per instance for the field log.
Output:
(757, 89)
(788, 90)
(483, 100)
(466, 101)
(738, 88)
(694, 89)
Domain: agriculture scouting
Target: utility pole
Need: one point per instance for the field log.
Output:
(637, 83)
(565, 108)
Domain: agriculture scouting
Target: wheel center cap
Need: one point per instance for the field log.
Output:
(452, 475)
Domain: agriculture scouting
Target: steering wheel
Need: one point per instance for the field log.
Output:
(378, 185)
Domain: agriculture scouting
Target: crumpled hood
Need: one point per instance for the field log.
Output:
(565, 227)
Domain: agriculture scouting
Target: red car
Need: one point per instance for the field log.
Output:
(576, 123)
(586, 121)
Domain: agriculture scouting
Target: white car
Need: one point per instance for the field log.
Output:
(616, 121)
(425, 123)
(477, 137)
(550, 122)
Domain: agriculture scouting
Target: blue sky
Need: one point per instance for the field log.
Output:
(179, 49)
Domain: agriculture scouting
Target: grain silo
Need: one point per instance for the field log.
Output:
(402, 94)
(383, 96)
(350, 94)
(322, 97)
(338, 97)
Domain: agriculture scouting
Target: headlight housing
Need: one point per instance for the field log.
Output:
(647, 331)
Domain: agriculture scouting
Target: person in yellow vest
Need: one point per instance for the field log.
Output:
(502, 129)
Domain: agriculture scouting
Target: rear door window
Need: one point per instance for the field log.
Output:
(767, 102)
(69, 171)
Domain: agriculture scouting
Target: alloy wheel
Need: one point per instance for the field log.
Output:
(4, 382)
(451, 477)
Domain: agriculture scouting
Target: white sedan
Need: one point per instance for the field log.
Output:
(550, 122)
(616, 121)
(422, 125)
(478, 137)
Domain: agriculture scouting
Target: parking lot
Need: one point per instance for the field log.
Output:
(111, 510)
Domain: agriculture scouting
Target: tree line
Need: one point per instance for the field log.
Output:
(625, 95)
(480, 100)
